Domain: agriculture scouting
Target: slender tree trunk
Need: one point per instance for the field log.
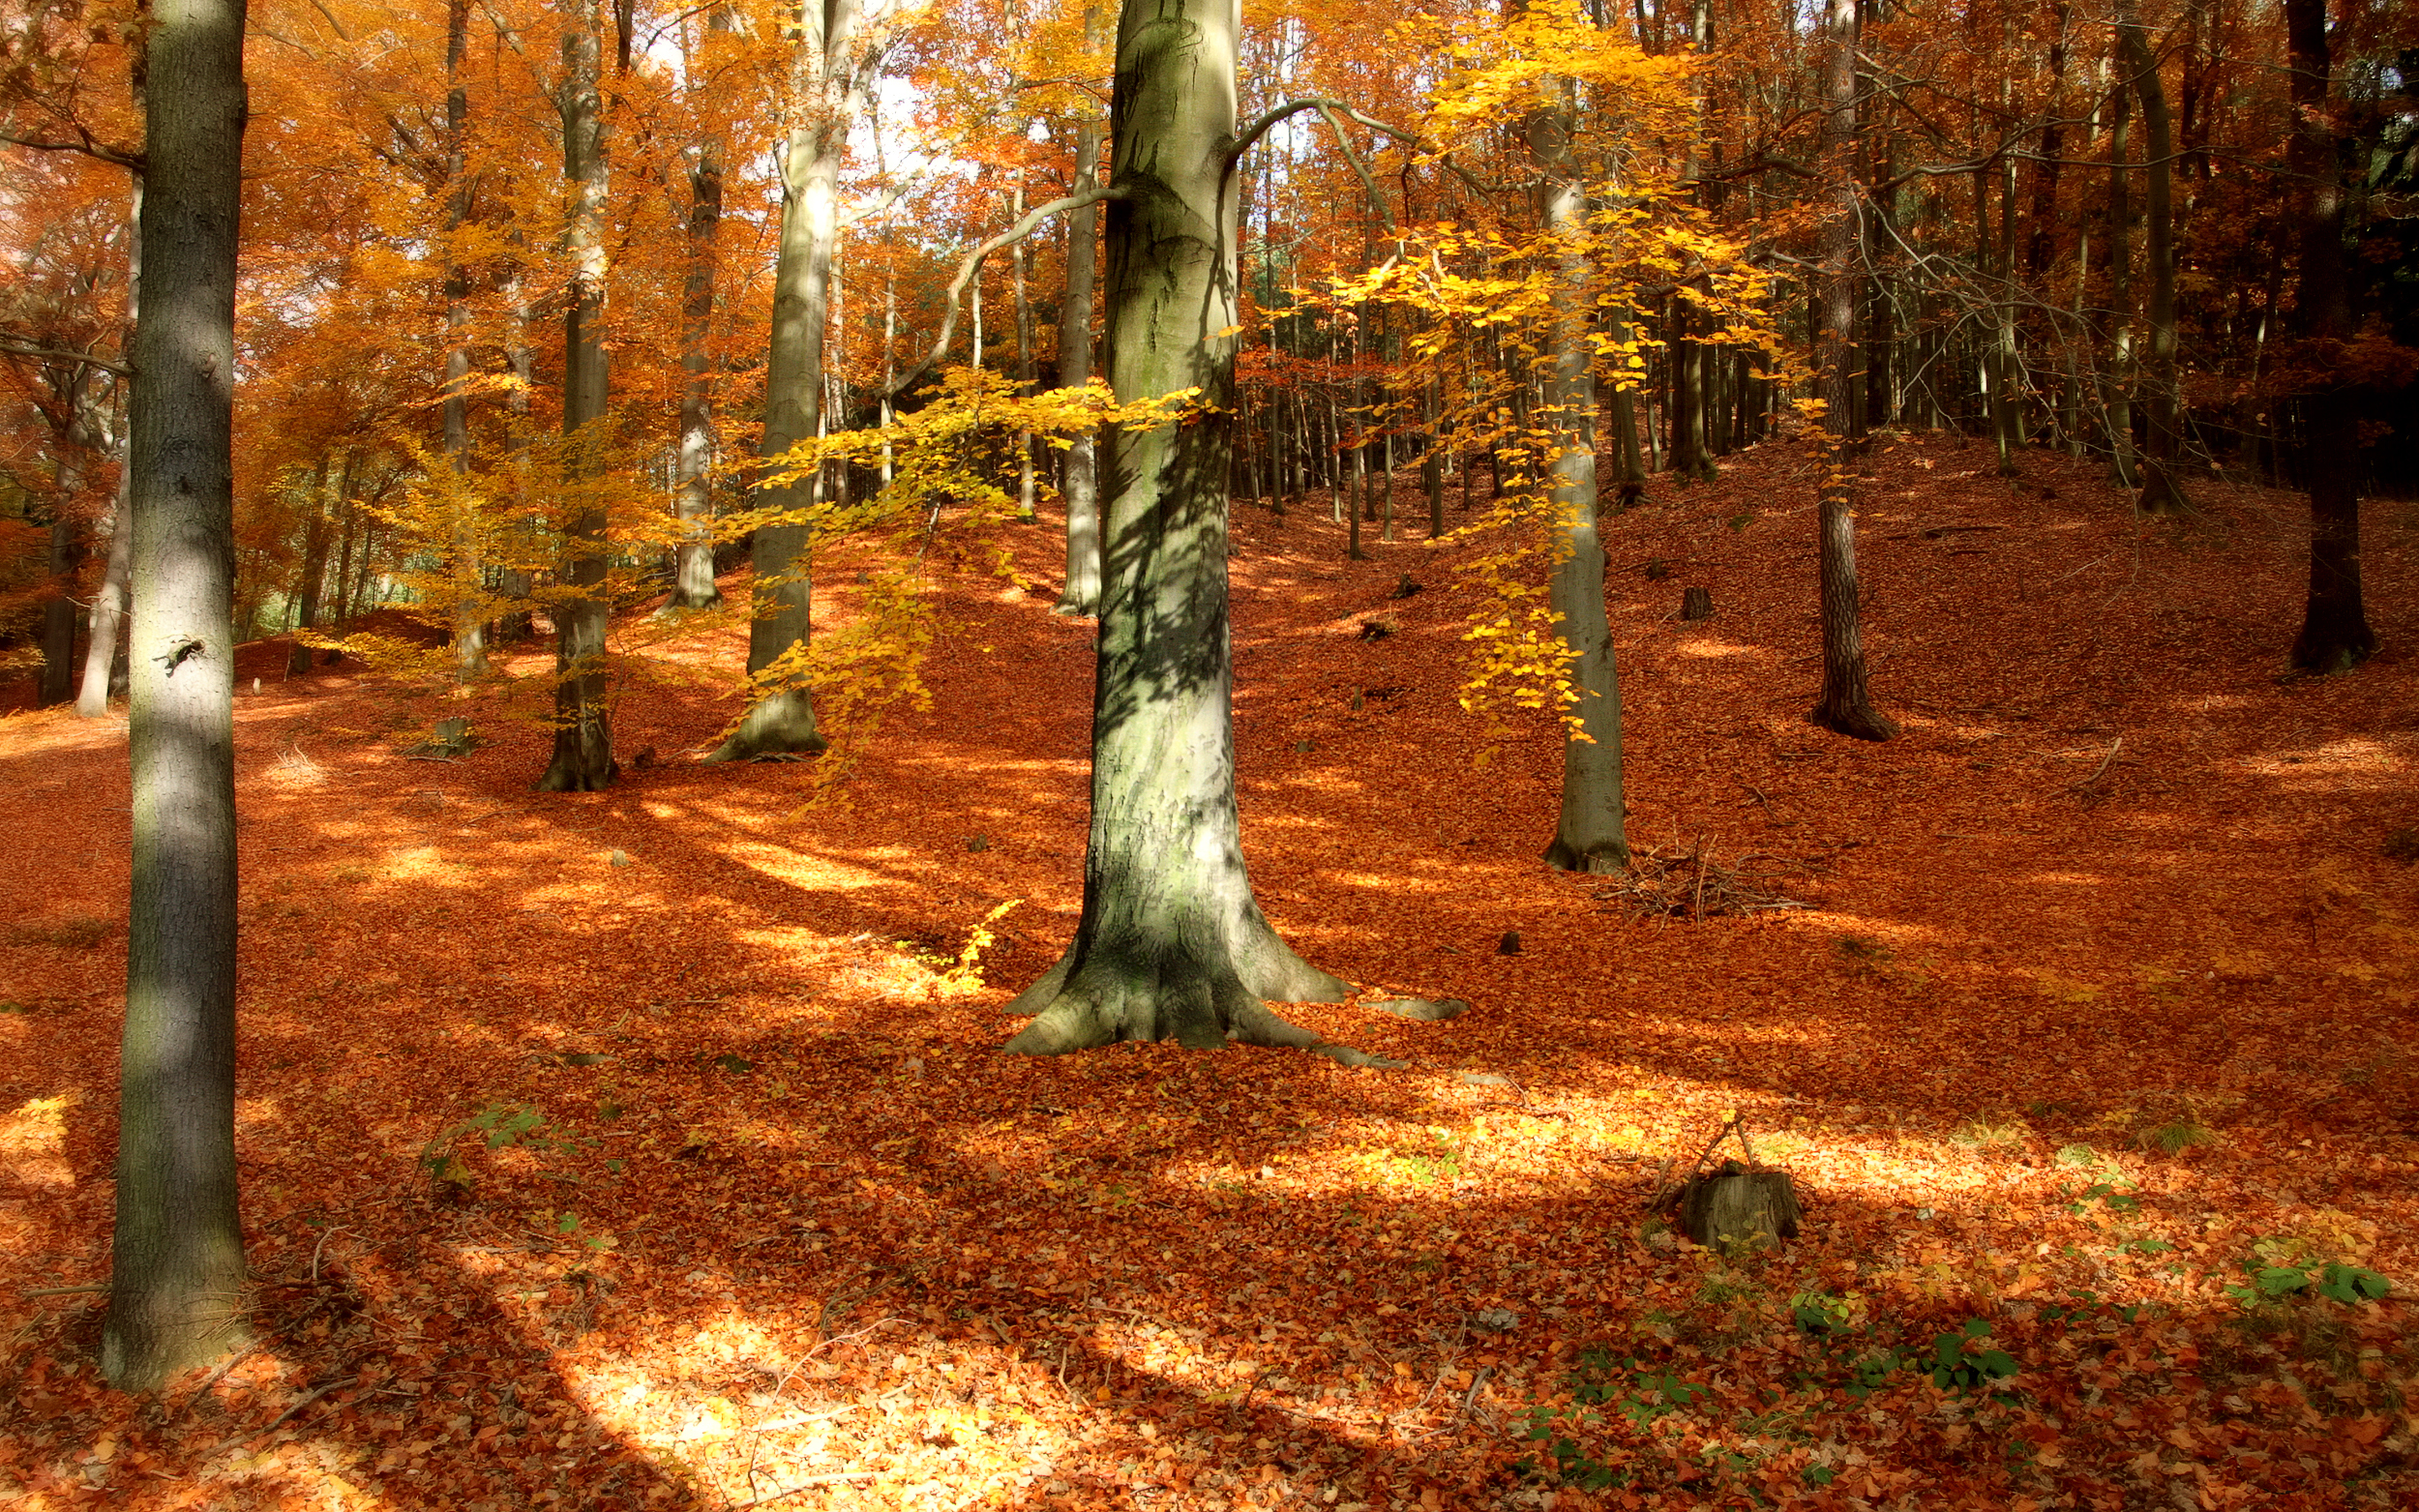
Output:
(2120, 375)
(1082, 594)
(1846, 705)
(177, 1259)
(826, 82)
(1591, 832)
(77, 442)
(108, 608)
(1023, 360)
(314, 565)
(693, 585)
(1171, 944)
(467, 564)
(584, 732)
(2335, 633)
(2160, 494)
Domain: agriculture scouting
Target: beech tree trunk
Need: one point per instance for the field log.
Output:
(2335, 632)
(1082, 488)
(470, 610)
(2160, 492)
(693, 585)
(1171, 944)
(1847, 706)
(584, 732)
(827, 79)
(315, 564)
(1589, 833)
(177, 1257)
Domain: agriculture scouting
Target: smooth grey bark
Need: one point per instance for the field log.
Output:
(1846, 703)
(1171, 944)
(584, 732)
(177, 1255)
(1590, 833)
(1082, 488)
(109, 610)
(470, 614)
(2335, 632)
(829, 73)
(693, 585)
(2160, 494)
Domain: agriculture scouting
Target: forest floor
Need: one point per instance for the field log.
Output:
(652, 1147)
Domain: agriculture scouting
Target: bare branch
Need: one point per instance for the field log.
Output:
(16, 349)
(973, 260)
(86, 144)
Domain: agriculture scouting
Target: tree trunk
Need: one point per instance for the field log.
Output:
(177, 1260)
(1589, 833)
(824, 89)
(109, 609)
(693, 585)
(584, 732)
(1171, 944)
(314, 565)
(2160, 492)
(470, 608)
(1846, 705)
(2120, 376)
(2335, 633)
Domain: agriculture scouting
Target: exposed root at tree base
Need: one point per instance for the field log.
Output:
(1198, 1007)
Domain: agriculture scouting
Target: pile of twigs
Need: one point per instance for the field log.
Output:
(1667, 883)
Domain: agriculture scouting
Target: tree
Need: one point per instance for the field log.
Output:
(693, 496)
(2335, 633)
(1082, 488)
(2160, 492)
(177, 1259)
(584, 734)
(830, 73)
(1847, 706)
(1170, 943)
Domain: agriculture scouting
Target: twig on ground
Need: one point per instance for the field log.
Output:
(1666, 882)
(279, 1421)
(2086, 789)
(826, 1479)
(84, 1289)
(216, 1376)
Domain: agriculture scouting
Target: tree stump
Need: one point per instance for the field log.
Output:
(1696, 603)
(451, 741)
(1735, 1209)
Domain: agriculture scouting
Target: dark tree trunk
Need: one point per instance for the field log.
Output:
(177, 1260)
(584, 732)
(315, 565)
(2160, 494)
(2335, 633)
(1171, 944)
(1846, 705)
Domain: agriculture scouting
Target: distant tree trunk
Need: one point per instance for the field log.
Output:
(2160, 494)
(78, 439)
(827, 79)
(1082, 491)
(177, 1260)
(1171, 944)
(109, 609)
(1590, 833)
(2119, 381)
(314, 565)
(693, 585)
(1846, 705)
(584, 732)
(470, 606)
(2335, 633)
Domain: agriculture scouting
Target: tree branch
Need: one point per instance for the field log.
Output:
(14, 348)
(972, 260)
(86, 144)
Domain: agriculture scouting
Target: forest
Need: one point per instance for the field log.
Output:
(1038, 753)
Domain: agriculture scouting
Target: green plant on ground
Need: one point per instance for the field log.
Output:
(1639, 1394)
(2346, 1284)
(499, 1126)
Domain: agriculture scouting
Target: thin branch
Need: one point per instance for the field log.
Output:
(86, 144)
(973, 260)
(55, 354)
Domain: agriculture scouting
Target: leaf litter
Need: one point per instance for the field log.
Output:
(651, 1148)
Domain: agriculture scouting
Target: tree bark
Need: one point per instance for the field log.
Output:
(2120, 376)
(584, 732)
(693, 585)
(1082, 490)
(315, 564)
(1589, 833)
(470, 608)
(1171, 944)
(827, 79)
(2335, 632)
(2160, 494)
(177, 1260)
(1847, 706)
